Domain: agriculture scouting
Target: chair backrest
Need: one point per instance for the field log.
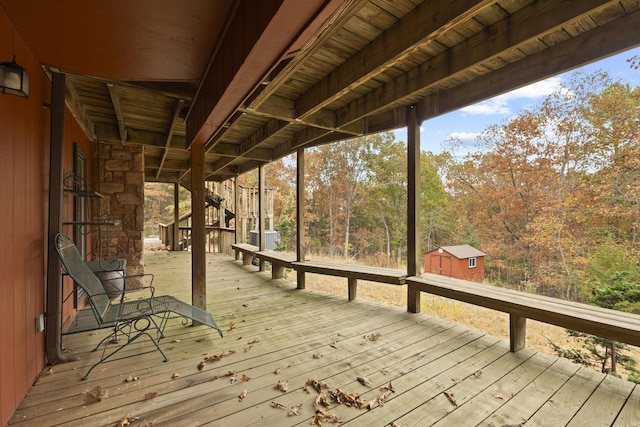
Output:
(83, 276)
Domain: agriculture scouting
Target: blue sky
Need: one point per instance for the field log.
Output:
(466, 123)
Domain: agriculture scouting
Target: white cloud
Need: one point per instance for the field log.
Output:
(464, 136)
(501, 104)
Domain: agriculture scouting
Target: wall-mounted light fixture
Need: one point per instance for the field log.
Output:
(14, 80)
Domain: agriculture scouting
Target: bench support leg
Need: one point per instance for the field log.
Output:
(413, 299)
(517, 332)
(300, 279)
(277, 271)
(246, 258)
(237, 254)
(353, 287)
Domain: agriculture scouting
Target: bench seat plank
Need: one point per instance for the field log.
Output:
(279, 261)
(246, 250)
(611, 324)
(352, 272)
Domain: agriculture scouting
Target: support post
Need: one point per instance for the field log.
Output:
(53, 324)
(300, 201)
(176, 217)
(413, 206)
(261, 218)
(353, 287)
(198, 228)
(517, 332)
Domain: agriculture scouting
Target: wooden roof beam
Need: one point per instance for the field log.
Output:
(427, 22)
(117, 108)
(177, 107)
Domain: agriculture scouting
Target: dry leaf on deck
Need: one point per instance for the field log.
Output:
(175, 375)
(245, 305)
(477, 374)
(277, 371)
(232, 326)
(317, 355)
(371, 404)
(334, 345)
(253, 341)
(201, 340)
(95, 395)
(201, 366)
(282, 385)
(150, 395)
(456, 380)
(243, 395)
(322, 400)
(372, 337)
(294, 410)
(389, 387)
(244, 378)
(451, 398)
(48, 371)
(233, 379)
(126, 420)
(322, 416)
(176, 341)
(131, 379)
(216, 357)
(363, 380)
(246, 349)
(498, 396)
(278, 405)
(318, 385)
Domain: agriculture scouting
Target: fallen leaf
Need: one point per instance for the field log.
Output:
(498, 396)
(201, 340)
(456, 380)
(277, 371)
(317, 355)
(282, 385)
(363, 380)
(245, 378)
(243, 395)
(318, 385)
(126, 420)
(175, 375)
(293, 411)
(322, 400)
(246, 349)
(253, 341)
(150, 395)
(333, 345)
(278, 405)
(131, 379)
(322, 416)
(232, 326)
(245, 305)
(233, 379)
(372, 337)
(176, 341)
(477, 374)
(389, 387)
(268, 329)
(216, 357)
(96, 395)
(451, 398)
(48, 371)
(201, 366)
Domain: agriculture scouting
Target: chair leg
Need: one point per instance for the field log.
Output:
(133, 332)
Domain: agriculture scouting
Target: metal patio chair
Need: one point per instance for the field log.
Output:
(132, 319)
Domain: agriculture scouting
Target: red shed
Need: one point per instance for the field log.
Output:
(461, 261)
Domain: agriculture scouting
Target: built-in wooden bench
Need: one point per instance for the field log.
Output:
(248, 251)
(352, 272)
(279, 261)
(611, 324)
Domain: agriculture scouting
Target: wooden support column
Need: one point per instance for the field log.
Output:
(236, 197)
(300, 202)
(198, 228)
(176, 217)
(517, 332)
(261, 210)
(413, 206)
(53, 324)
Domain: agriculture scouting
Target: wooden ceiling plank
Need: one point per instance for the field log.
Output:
(427, 22)
(521, 27)
(617, 36)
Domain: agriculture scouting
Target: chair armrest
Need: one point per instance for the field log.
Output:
(148, 287)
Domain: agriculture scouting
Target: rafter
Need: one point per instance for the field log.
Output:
(172, 124)
(117, 109)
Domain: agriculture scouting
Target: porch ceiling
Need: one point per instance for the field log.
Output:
(256, 80)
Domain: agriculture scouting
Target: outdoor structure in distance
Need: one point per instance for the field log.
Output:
(461, 261)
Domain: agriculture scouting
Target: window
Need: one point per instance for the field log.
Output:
(472, 262)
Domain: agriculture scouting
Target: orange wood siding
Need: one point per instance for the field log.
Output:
(24, 166)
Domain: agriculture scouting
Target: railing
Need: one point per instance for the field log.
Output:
(217, 239)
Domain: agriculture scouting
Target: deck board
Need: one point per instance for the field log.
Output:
(312, 335)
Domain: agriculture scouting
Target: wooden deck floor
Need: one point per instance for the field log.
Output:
(280, 333)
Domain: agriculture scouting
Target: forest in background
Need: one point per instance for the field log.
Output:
(552, 196)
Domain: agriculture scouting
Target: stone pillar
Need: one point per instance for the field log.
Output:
(118, 174)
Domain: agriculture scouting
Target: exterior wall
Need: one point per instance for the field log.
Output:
(24, 140)
(118, 171)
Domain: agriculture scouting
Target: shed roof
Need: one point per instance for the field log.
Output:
(462, 251)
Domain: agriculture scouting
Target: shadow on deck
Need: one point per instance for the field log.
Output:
(441, 373)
